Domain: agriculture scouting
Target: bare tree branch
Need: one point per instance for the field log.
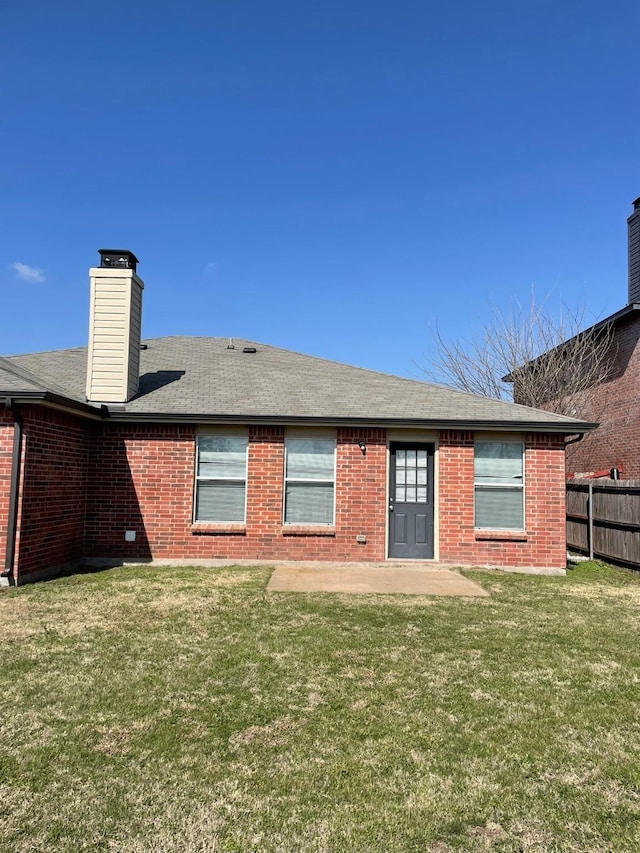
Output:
(531, 357)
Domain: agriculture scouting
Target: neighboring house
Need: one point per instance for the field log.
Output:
(615, 402)
(194, 449)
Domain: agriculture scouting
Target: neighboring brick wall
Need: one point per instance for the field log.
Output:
(6, 456)
(52, 506)
(147, 475)
(542, 546)
(616, 442)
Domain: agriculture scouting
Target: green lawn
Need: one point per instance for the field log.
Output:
(188, 710)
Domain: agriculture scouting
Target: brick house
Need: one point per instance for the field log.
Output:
(198, 449)
(616, 442)
(615, 403)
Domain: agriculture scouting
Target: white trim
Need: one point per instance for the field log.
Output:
(412, 436)
(496, 438)
(309, 435)
(197, 479)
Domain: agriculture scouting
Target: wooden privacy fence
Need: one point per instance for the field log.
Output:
(603, 519)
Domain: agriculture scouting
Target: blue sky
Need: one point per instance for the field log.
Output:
(330, 177)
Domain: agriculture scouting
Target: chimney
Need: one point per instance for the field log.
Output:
(633, 224)
(114, 328)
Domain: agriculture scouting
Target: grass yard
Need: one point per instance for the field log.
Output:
(184, 710)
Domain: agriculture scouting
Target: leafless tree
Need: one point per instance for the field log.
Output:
(531, 357)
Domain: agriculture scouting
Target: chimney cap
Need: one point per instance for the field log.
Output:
(118, 259)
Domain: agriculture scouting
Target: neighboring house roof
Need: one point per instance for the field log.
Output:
(620, 316)
(202, 379)
(629, 312)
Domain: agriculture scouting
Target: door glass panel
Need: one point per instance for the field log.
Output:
(411, 476)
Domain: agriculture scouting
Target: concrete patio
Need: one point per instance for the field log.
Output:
(398, 578)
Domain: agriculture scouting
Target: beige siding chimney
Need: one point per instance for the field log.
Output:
(115, 313)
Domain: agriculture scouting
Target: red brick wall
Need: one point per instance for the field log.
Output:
(616, 442)
(6, 455)
(543, 545)
(53, 490)
(141, 478)
(86, 483)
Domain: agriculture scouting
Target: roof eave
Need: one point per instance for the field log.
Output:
(53, 401)
(56, 401)
(568, 428)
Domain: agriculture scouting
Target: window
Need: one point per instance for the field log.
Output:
(221, 478)
(499, 487)
(309, 480)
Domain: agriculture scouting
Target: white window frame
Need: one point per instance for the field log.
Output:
(200, 479)
(307, 481)
(485, 487)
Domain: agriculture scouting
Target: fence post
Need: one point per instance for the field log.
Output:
(590, 519)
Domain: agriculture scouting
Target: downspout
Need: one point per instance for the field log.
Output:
(579, 437)
(12, 521)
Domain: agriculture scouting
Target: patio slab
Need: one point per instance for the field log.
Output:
(363, 579)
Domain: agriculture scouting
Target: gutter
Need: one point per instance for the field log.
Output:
(12, 521)
(569, 428)
(116, 412)
(57, 401)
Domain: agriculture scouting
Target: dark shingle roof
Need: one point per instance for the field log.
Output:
(201, 378)
(15, 377)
